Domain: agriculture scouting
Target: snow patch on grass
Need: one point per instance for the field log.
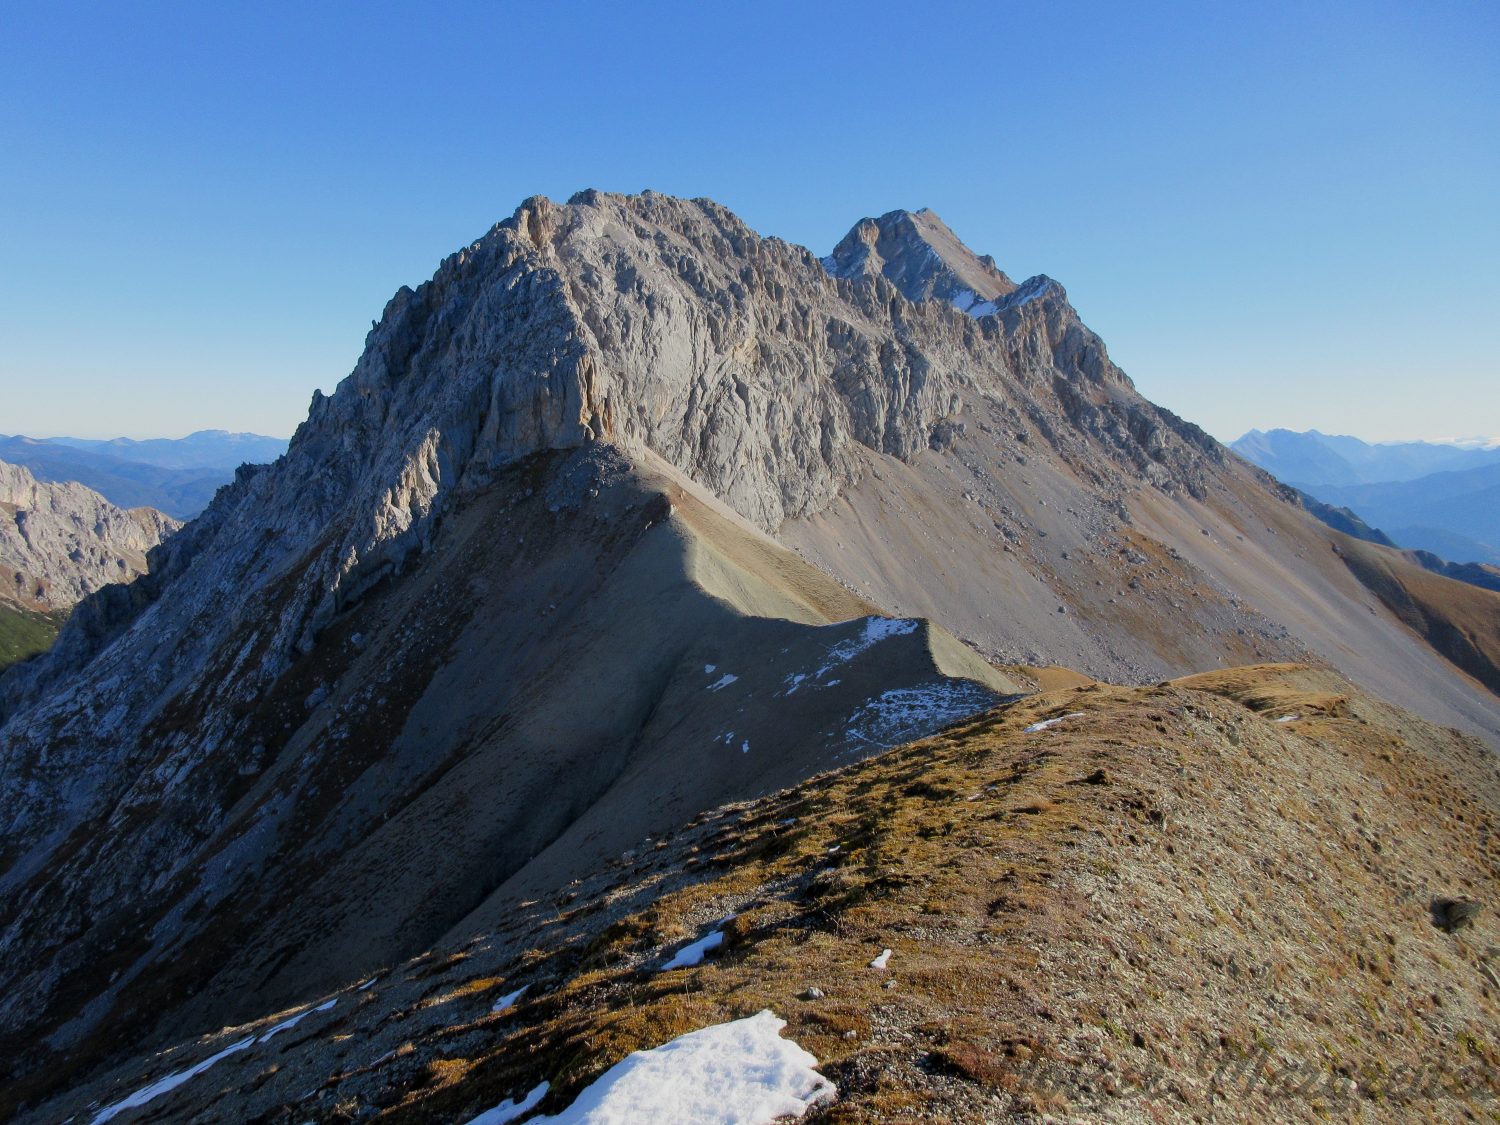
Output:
(902, 714)
(1048, 724)
(690, 955)
(737, 1073)
(178, 1077)
(510, 1109)
(298, 1018)
(509, 999)
(170, 1082)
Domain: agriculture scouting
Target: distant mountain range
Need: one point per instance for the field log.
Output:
(178, 476)
(1423, 495)
(1318, 459)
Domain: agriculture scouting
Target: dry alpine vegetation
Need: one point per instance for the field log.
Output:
(1213, 899)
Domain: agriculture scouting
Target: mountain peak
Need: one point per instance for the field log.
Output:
(922, 257)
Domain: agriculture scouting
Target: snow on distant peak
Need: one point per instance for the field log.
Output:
(1029, 290)
(737, 1073)
(1476, 442)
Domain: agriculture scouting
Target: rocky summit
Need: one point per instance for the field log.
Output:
(630, 516)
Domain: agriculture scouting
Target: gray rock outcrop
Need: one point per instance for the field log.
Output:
(61, 542)
(916, 252)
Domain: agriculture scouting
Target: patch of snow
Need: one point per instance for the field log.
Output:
(882, 961)
(1288, 718)
(1475, 442)
(1048, 724)
(876, 629)
(690, 955)
(737, 1073)
(1029, 290)
(509, 999)
(170, 1082)
(745, 746)
(901, 714)
(177, 1078)
(286, 1024)
(293, 1021)
(723, 681)
(509, 1110)
(710, 669)
(368, 984)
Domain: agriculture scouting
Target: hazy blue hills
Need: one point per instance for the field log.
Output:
(1313, 458)
(178, 476)
(206, 449)
(1423, 495)
(1453, 514)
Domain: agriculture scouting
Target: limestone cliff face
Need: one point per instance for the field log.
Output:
(643, 321)
(61, 542)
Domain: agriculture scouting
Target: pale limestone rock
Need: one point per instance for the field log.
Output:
(61, 542)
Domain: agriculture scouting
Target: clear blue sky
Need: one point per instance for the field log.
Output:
(1274, 214)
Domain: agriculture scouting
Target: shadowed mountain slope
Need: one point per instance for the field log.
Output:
(1454, 514)
(1458, 619)
(589, 651)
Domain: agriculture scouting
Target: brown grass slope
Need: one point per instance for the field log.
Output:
(1172, 907)
(1460, 620)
